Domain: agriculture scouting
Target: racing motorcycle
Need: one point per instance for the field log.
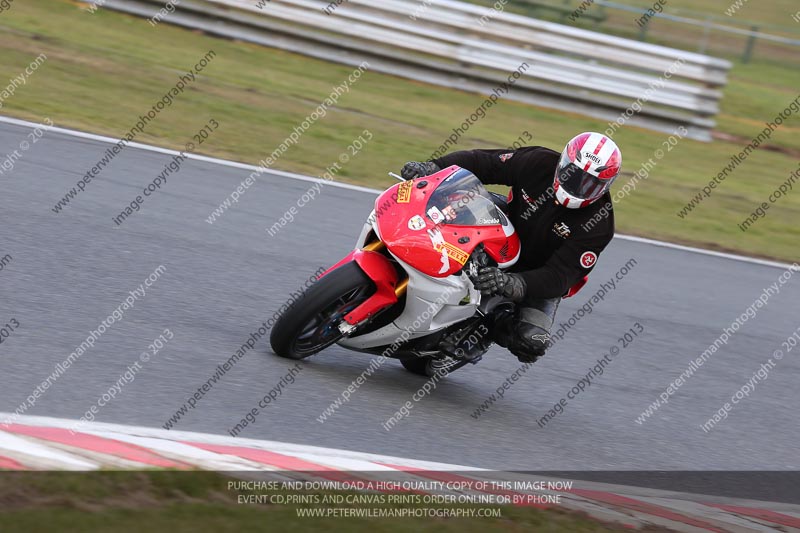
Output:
(405, 291)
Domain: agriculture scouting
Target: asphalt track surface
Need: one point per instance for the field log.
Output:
(71, 270)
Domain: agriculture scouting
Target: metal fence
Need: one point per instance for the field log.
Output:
(724, 36)
(451, 43)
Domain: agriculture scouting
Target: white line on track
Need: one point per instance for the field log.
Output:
(292, 175)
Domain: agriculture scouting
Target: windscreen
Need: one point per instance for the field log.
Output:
(462, 200)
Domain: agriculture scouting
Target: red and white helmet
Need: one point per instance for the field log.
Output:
(588, 166)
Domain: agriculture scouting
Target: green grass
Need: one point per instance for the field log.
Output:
(193, 502)
(773, 12)
(773, 17)
(105, 69)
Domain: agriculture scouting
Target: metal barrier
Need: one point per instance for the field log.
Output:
(715, 33)
(446, 42)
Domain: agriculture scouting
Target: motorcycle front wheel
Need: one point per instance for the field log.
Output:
(311, 323)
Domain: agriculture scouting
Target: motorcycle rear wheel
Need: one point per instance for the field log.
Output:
(311, 323)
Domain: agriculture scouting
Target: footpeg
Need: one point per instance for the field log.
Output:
(468, 344)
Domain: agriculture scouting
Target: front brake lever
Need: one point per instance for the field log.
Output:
(478, 260)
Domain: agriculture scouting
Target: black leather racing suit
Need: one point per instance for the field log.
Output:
(559, 245)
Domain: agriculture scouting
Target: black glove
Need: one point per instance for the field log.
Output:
(492, 280)
(417, 169)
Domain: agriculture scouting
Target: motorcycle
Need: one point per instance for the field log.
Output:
(405, 291)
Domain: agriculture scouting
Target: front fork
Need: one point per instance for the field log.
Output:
(388, 287)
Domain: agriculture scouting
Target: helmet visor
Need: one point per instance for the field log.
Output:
(579, 183)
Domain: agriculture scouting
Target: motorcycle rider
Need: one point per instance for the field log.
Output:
(552, 198)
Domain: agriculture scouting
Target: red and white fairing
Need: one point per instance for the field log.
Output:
(416, 229)
(430, 226)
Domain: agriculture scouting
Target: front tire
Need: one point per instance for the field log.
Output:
(311, 323)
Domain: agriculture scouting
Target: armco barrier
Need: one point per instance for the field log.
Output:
(571, 69)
